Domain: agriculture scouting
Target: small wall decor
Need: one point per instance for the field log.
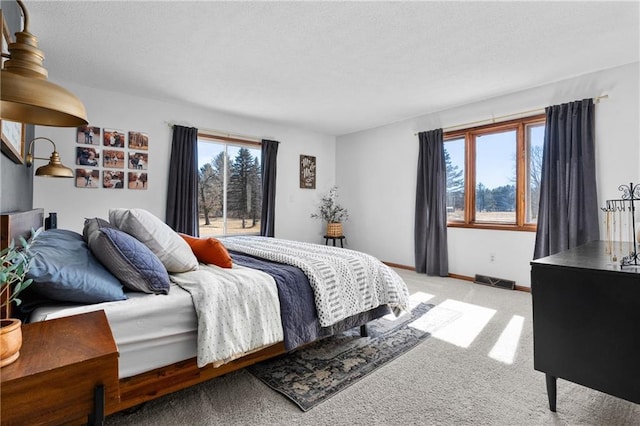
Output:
(307, 172)
(138, 160)
(138, 180)
(113, 138)
(138, 140)
(112, 179)
(87, 178)
(89, 135)
(87, 156)
(118, 154)
(113, 158)
(12, 135)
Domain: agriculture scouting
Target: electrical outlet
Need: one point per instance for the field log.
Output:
(492, 257)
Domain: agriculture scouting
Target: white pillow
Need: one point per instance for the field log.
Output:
(174, 252)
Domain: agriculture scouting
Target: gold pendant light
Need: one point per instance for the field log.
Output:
(27, 96)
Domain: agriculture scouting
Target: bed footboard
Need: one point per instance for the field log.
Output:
(162, 381)
(165, 380)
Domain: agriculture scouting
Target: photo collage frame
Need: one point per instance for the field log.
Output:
(111, 158)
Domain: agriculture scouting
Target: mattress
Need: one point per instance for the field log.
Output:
(146, 336)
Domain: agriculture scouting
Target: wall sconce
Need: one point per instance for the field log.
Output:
(55, 168)
(27, 96)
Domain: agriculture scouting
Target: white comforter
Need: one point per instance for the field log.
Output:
(238, 311)
(345, 282)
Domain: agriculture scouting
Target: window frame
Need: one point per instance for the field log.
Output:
(227, 141)
(470, 134)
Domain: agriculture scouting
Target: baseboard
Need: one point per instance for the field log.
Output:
(399, 266)
(461, 277)
(457, 276)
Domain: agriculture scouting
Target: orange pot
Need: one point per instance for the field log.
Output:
(10, 340)
(334, 229)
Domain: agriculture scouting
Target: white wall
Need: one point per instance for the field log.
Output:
(376, 173)
(125, 112)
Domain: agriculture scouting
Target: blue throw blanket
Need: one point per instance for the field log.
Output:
(297, 306)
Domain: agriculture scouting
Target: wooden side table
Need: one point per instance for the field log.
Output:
(67, 372)
(339, 237)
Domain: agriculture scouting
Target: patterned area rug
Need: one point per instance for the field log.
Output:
(311, 375)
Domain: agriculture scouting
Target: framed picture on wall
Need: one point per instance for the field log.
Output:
(88, 135)
(307, 172)
(138, 140)
(113, 138)
(113, 158)
(87, 178)
(12, 135)
(112, 179)
(87, 156)
(138, 160)
(138, 180)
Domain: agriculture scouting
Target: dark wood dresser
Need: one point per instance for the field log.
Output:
(586, 322)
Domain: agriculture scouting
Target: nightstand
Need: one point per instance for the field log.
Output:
(67, 372)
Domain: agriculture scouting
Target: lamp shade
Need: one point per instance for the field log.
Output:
(26, 95)
(54, 168)
(35, 101)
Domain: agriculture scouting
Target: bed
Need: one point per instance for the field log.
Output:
(276, 284)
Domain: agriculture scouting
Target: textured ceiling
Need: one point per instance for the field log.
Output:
(331, 67)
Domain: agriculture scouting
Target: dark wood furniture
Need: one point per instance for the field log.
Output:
(67, 372)
(339, 237)
(13, 225)
(586, 322)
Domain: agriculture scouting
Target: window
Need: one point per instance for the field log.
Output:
(493, 174)
(229, 186)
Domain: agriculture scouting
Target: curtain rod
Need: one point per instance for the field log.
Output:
(503, 117)
(222, 133)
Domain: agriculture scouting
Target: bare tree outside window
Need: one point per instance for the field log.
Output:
(229, 188)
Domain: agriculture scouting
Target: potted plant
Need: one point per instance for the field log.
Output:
(14, 265)
(332, 212)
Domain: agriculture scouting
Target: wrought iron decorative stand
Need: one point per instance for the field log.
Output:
(630, 194)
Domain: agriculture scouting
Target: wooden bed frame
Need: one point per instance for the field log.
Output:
(165, 380)
(12, 227)
(19, 224)
(153, 384)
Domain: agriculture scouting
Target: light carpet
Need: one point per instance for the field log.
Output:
(319, 371)
(442, 381)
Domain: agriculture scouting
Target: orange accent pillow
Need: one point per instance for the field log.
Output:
(209, 250)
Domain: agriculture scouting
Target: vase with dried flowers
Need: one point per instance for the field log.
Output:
(332, 212)
(14, 265)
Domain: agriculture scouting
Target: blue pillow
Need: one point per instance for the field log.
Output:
(135, 265)
(63, 268)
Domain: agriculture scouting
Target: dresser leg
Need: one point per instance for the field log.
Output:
(97, 417)
(551, 391)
